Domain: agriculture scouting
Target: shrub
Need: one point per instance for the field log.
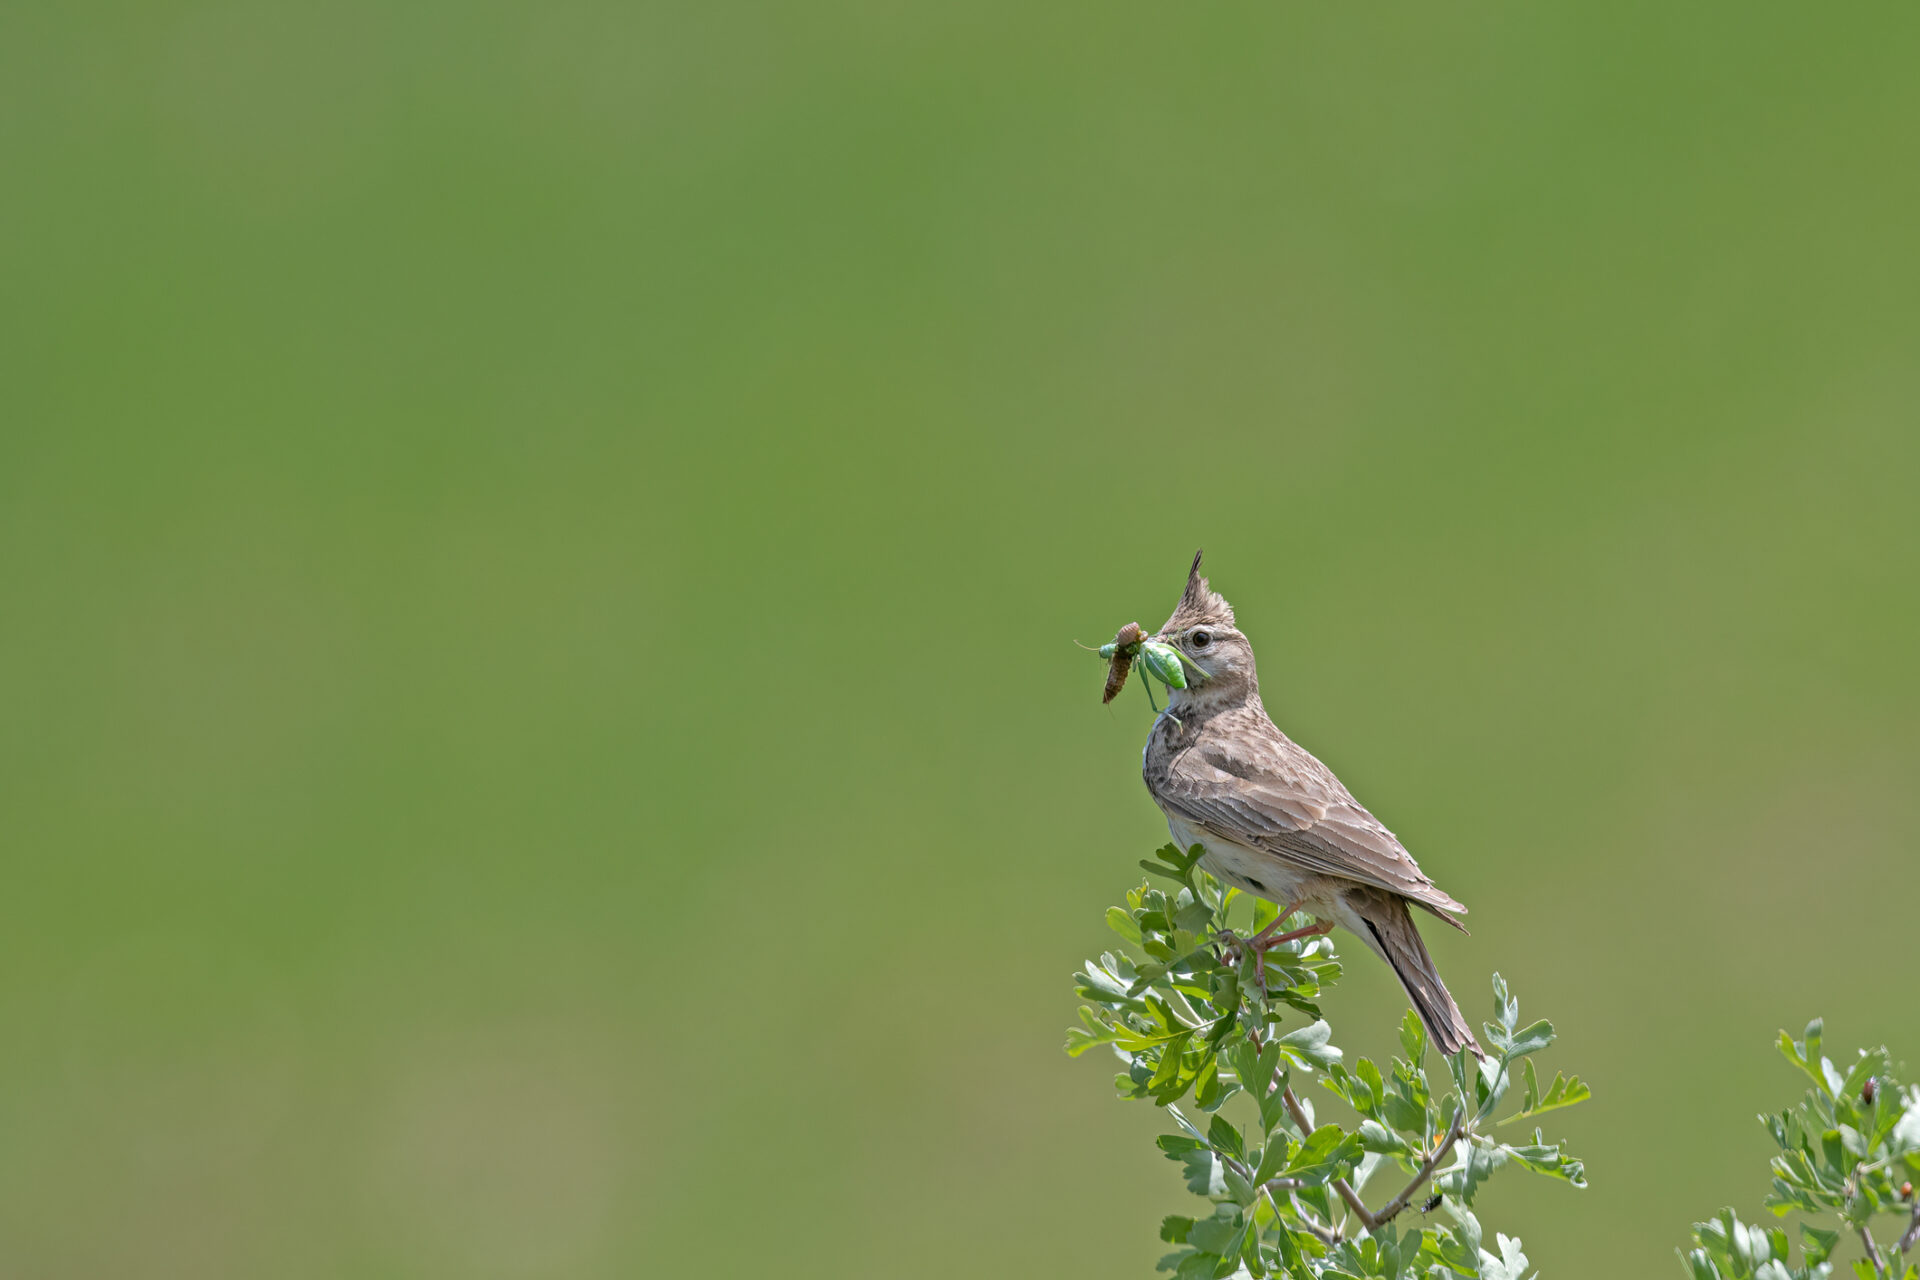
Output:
(1193, 1015)
(1850, 1152)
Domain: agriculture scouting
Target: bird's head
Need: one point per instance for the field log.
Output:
(1202, 629)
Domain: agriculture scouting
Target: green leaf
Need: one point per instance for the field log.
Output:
(1491, 1080)
(1376, 1087)
(1273, 1105)
(1197, 1266)
(1563, 1092)
(1174, 1229)
(1216, 1235)
(1510, 1265)
(1154, 868)
(1324, 1154)
(1225, 1138)
(1530, 1039)
(1176, 1145)
(1205, 1173)
(1817, 1245)
(1245, 1061)
(1208, 1092)
(1806, 1055)
(1413, 1038)
(1375, 1136)
(1079, 1039)
(1542, 1156)
(1319, 1144)
(1194, 917)
(1458, 1247)
(1474, 1163)
(1698, 1265)
(1506, 1009)
(1170, 1056)
(1237, 1186)
(1465, 1072)
(1273, 1159)
(1309, 1045)
(1408, 1100)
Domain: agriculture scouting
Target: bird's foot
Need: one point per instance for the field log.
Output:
(1269, 937)
(1263, 944)
(1233, 946)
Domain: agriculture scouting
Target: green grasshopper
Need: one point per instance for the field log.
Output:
(1163, 661)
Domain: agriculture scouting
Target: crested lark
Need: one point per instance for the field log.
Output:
(1275, 822)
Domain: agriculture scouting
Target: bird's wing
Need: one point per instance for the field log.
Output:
(1274, 796)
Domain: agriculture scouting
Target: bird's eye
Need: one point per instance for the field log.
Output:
(1199, 639)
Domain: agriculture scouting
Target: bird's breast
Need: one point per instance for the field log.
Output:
(1248, 869)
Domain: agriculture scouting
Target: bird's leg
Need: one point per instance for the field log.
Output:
(1267, 939)
(1260, 943)
(1234, 941)
(1264, 939)
(1311, 931)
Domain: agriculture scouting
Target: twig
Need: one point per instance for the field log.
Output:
(1345, 1188)
(1873, 1252)
(1392, 1207)
(1912, 1236)
(1326, 1234)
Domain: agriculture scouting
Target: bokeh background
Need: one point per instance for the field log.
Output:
(541, 546)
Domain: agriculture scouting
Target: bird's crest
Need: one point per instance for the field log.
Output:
(1199, 603)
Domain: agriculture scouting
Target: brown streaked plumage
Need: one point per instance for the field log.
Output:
(1275, 822)
(1125, 644)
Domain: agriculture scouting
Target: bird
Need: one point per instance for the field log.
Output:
(1275, 822)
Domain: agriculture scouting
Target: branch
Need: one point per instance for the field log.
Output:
(1341, 1185)
(1320, 1230)
(1392, 1207)
(1873, 1253)
(1908, 1240)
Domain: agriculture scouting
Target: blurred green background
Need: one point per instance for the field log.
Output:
(541, 545)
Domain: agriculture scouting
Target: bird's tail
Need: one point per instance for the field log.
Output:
(1393, 935)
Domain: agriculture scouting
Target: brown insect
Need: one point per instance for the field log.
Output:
(1120, 655)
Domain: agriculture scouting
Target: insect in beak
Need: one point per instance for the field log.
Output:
(1120, 655)
(1164, 662)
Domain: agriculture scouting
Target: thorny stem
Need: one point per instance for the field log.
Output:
(1373, 1221)
(1391, 1209)
(1345, 1188)
(1873, 1252)
(1324, 1233)
(1912, 1235)
(1399, 1202)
